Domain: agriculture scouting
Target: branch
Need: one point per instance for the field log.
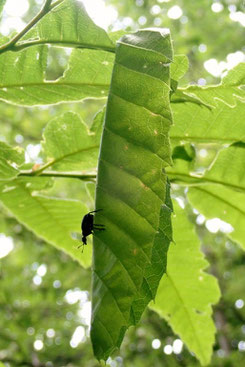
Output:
(45, 9)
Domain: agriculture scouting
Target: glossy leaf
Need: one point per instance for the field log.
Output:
(10, 159)
(51, 219)
(186, 292)
(132, 189)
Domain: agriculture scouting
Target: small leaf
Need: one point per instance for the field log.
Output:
(69, 145)
(179, 67)
(51, 219)
(10, 159)
(186, 292)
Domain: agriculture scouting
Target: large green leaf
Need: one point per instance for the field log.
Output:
(215, 201)
(186, 292)
(10, 159)
(130, 255)
(52, 219)
(67, 24)
(69, 145)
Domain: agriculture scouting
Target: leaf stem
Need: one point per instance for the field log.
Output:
(45, 9)
(75, 174)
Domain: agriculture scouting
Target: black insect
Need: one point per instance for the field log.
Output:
(88, 227)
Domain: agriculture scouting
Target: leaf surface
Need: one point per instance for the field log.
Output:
(69, 145)
(23, 80)
(129, 257)
(68, 24)
(186, 292)
(227, 170)
(215, 201)
(10, 159)
(231, 89)
(51, 219)
(199, 124)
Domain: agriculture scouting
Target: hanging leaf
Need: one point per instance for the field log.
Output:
(132, 189)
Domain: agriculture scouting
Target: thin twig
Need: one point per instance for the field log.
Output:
(45, 9)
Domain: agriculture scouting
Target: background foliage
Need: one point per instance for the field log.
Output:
(45, 295)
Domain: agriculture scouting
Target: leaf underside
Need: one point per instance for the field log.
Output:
(129, 257)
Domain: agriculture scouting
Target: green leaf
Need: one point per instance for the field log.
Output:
(199, 124)
(179, 67)
(10, 159)
(186, 292)
(69, 145)
(23, 81)
(68, 24)
(129, 257)
(229, 91)
(215, 201)
(51, 219)
(227, 170)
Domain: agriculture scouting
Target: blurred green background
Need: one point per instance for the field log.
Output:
(44, 298)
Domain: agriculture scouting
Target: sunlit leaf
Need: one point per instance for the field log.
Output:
(52, 219)
(229, 91)
(199, 124)
(132, 189)
(68, 24)
(227, 170)
(23, 80)
(186, 292)
(10, 159)
(216, 201)
(69, 145)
